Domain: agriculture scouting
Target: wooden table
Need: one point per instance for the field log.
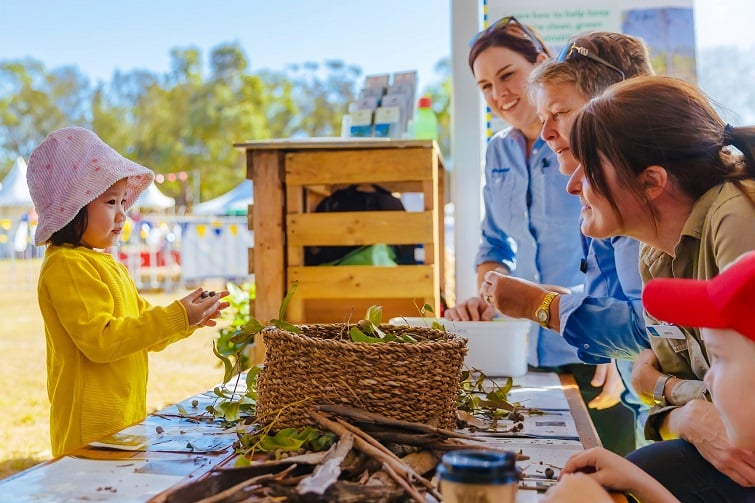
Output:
(112, 475)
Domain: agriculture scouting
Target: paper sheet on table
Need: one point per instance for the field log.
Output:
(534, 390)
(551, 424)
(542, 453)
(74, 479)
(180, 438)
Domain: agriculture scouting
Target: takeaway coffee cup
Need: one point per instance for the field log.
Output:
(473, 476)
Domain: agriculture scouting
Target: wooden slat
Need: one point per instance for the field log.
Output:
(585, 428)
(368, 144)
(269, 255)
(363, 282)
(342, 310)
(359, 228)
(326, 167)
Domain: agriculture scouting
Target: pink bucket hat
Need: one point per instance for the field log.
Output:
(71, 168)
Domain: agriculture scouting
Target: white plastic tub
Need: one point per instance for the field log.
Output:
(496, 348)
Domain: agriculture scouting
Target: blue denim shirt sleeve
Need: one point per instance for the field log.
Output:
(606, 321)
(495, 244)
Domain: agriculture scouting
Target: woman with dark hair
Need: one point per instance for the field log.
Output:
(657, 165)
(530, 227)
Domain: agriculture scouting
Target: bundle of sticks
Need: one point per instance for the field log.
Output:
(376, 458)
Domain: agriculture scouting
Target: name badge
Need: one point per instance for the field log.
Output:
(664, 331)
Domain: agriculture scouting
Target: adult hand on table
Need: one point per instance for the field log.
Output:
(516, 297)
(612, 472)
(699, 423)
(607, 376)
(473, 309)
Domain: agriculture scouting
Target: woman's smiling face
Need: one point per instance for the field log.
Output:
(502, 77)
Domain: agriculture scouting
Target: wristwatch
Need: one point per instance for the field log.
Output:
(659, 397)
(543, 312)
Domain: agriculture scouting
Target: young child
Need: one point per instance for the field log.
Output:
(98, 328)
(722, 306)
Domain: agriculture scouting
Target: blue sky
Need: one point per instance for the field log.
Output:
(380, 36)
(101, 35)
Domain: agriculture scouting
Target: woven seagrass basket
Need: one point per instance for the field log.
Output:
(410, 381)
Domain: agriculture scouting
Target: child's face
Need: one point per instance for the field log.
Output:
(105, 217)
(731, 381)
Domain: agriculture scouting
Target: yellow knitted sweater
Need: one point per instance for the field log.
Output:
(98, 330)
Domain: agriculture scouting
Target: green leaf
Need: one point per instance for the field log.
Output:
(253, 326)
(507, 387)
(219, 392)
(241, 337)
(284, 325)
(181, 410)
(230, 410)
(252, 375)
(286, 439)
(287, 299)
(359, 336)
(438, 326)
(242, 462)
(307, 434)
(228, 372)
(375, 315)
(406, 338)
(427, 308)
(390, 337)
(322, 442)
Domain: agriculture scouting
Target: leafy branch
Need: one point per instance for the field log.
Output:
(230, 404)
(368, 330)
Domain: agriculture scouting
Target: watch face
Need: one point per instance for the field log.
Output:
(542, 315)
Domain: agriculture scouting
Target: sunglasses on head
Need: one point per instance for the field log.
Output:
(502, 24)
(573, 49)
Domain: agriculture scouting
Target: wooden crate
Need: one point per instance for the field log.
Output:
(291, 177)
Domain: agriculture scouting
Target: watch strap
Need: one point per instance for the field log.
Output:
(659, 395)
(543, 313)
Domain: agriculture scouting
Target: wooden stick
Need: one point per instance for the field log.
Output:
(223, 495)
(409, 472)
(378, 453)
(421, 462)
(361, 415)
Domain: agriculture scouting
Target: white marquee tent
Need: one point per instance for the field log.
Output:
(233, 202)
(14, 192)
(153, 199)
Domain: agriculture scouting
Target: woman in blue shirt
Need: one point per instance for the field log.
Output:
(530, 228)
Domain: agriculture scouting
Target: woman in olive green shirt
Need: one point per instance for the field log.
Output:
(656, 166)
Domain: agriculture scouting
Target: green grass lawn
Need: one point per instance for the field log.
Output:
(185, 368)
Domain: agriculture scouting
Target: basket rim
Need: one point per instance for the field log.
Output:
(448, 338)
